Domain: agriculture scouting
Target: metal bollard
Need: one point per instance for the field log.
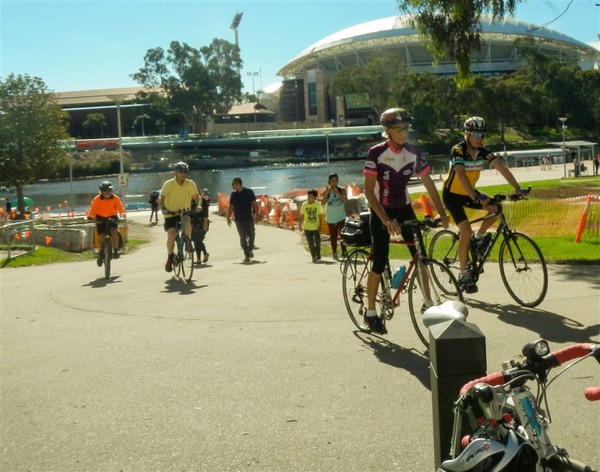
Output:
(457, 355)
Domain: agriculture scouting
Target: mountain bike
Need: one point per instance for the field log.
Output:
(106, 245)
(522, 264)
(184, 254)
(415, 283)
(508, 428)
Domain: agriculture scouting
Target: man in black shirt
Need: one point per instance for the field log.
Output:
(244, 208)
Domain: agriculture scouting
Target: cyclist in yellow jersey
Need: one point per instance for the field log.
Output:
(175, 195)
(467, 160)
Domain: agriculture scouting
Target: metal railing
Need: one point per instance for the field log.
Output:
(17, 239)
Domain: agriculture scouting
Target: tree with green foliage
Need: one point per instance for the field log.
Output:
(191, 83)
(452, 29)
(378, 80)
(94, 123)
(32, 126)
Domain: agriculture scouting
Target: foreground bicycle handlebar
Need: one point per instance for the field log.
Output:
(508, 427)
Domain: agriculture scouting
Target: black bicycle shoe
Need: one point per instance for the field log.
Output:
(100, 259)
(467, 285)
(375, 324)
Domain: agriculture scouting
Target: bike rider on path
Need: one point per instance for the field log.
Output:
(388, 168)
(466, 163)
(176, 195)
(107, 205)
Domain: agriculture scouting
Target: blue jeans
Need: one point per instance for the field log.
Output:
(247, 232)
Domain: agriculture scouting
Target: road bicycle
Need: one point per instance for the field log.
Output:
(106, 245)
(415, 283)
(508, 428)
(184, 254)
(522, 264)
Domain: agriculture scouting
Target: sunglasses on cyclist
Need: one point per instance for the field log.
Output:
(401, 128)
(478, 135)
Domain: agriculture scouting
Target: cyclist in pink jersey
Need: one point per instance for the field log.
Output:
(388, 169)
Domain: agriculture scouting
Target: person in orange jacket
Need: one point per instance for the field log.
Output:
(107, 206)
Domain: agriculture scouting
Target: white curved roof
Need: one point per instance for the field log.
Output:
(396, 30)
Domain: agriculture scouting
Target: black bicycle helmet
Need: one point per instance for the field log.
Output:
(475, 123)
(106, 185)
(394, 117)
(181, 166)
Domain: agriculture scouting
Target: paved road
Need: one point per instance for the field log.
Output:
(249, 367)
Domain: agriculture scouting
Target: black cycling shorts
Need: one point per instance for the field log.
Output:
(380, 237)
(171, 222)
(100, 223)
(456, 203)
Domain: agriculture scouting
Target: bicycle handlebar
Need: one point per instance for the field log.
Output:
(541, 368)
(513, 198)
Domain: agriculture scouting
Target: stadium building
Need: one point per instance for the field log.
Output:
(304, 91)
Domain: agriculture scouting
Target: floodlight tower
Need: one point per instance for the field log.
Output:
(234, 26)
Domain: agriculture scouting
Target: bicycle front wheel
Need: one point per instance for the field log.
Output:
(188, 260)
(423, 293)
(107, 258)
(355, 271)
(444, 248)
(523, 270)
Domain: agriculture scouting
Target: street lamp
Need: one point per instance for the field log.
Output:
(253, 74)
(118, 99)
(326, 133)
(563, 119)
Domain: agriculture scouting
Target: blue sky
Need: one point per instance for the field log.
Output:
(81, 45)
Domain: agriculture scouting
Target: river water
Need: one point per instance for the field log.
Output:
(270, 179)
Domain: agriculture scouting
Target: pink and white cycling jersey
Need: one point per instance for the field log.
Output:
(393, 168)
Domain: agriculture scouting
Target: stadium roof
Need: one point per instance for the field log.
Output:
(353, 45)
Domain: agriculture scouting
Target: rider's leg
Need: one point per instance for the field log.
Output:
(170, 240)
(187, 225)
(487, 223)
(464, 243)
(114, 237)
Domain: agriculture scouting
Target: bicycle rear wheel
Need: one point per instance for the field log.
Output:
(355, 271)
(187, 263)
(107, 258)
(420, 284)
(444, 248)
(523, 269)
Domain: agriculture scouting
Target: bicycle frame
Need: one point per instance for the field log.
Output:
(182, 254)
(522, 266)
(478, 260)
(422, 291)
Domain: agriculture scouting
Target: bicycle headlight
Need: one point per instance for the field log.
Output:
(537, 349)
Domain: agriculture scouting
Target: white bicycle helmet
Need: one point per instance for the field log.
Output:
(475, 123)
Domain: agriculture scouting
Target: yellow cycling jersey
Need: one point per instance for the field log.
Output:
(473, 167)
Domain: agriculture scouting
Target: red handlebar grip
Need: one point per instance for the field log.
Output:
(572, 352)
(495, 378)
(592, 393)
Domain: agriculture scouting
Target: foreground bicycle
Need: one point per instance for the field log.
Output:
(508, 426)
(522, 264)
(106, 246)
(184, 254)
(415, 283)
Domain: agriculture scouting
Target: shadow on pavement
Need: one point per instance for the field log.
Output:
(177, 285)
(99, 283)
(550, 326)
(389, 353)
(581, 273)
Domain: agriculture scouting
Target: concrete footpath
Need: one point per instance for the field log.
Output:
(250, 367)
